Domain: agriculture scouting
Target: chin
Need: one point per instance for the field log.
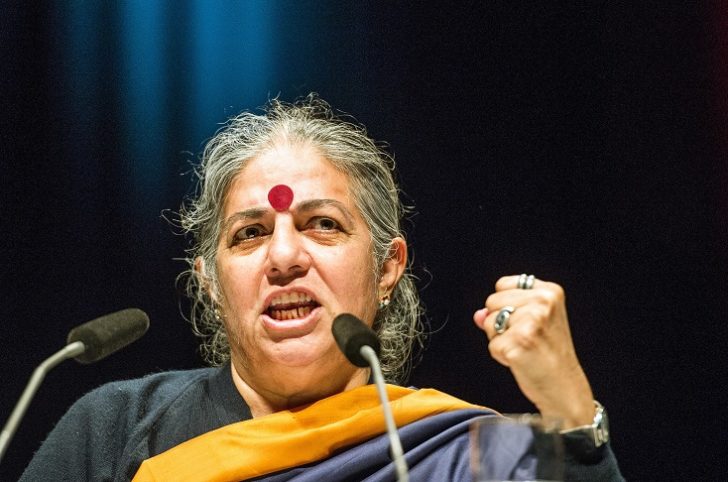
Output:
(295, 353)
(295, 360)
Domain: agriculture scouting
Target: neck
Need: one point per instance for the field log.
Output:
(264, 400)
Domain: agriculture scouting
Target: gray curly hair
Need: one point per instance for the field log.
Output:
(370, 172)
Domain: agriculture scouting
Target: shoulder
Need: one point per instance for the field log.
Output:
(106, 432)
(149, 414)
(141, 396)
(128, 406)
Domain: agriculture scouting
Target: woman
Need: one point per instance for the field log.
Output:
(297, 221)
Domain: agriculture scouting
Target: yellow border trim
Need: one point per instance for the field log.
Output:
(292, 437)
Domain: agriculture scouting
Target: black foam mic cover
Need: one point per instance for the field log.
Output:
(351, 334)
(107, 334)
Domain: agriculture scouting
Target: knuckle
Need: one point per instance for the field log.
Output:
(495, 348)
(502, 283)
(538, 311)
(547, 298)
(492, 348)
(557, 290)
(529, 334)
(511, 356)
(550, 296)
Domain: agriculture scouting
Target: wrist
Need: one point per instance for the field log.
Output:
(573, 405)
(594, 434)
(580, 413)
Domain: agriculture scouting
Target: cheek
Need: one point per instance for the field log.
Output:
(347, 262)
(355, 274)
(237, 285)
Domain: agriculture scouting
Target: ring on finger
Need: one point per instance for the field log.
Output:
(525, 281)
(502, 318)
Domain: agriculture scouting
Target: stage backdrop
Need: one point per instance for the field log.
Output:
(583, 144)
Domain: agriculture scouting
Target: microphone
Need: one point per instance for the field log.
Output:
(109, 333)
(351, 334)
(361, 347)
(89, 343)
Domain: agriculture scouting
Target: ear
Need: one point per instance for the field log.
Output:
(393, 267)
(204, 279)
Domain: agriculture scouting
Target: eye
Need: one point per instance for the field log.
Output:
(249, 232)
(324, 224)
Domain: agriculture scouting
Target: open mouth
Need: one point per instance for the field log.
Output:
(291, 306)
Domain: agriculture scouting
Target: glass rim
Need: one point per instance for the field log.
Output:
(525, 418)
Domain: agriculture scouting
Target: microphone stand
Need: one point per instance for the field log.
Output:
(400, 464)
(69, 351)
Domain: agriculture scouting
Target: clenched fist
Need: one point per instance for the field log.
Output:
(536, 346)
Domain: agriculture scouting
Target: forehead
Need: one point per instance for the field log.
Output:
(299, 166)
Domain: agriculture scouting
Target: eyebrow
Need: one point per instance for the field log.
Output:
(303, 206)
(312, 204)
(252, 213)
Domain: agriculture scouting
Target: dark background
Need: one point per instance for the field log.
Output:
(585, 144)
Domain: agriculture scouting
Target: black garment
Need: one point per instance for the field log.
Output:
(107, 434)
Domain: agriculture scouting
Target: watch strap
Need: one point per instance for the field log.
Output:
(597, 432)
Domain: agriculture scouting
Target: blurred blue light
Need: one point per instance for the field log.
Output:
(232, 55)
(144, 94)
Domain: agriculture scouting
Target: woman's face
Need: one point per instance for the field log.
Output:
(285, 274)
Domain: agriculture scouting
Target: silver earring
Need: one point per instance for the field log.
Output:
(384, 302)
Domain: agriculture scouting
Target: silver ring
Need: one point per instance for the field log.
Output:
(525, 281)
(501, 320)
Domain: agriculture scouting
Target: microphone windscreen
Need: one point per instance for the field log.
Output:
(351, 334)
(107, 334)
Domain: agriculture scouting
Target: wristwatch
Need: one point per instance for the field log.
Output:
(596, 433)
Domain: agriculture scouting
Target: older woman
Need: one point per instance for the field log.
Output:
(297, 221)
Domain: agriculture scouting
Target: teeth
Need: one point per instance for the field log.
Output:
(288, 298)
(291, 314)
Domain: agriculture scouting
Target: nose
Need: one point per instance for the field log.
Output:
(287, 258)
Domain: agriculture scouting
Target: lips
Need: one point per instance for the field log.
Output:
(292, 314)
(290, 306)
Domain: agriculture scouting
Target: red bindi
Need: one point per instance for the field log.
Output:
(280, 197)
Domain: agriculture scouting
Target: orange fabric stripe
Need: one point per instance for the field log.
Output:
(292, 437)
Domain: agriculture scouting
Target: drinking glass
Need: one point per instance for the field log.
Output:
(516, 447)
